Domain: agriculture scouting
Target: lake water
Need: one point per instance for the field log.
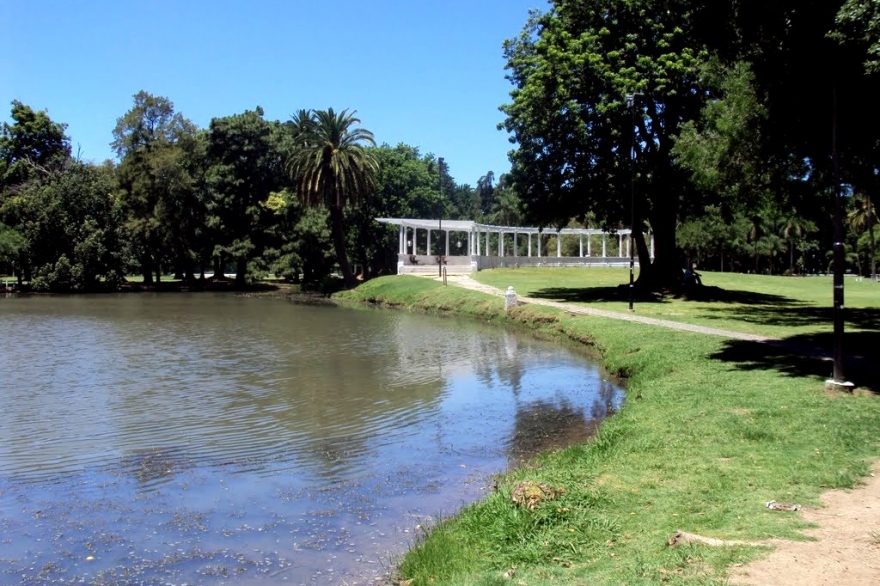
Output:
(203, 439)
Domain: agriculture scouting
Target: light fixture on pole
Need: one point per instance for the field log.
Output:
(838, 380)
(631, 104)
(440, 217)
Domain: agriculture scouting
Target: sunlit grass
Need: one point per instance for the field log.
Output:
(756, 304)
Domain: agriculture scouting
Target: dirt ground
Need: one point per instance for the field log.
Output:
(846, 550)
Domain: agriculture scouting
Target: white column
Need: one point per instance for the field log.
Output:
(488, 250)
(479, 250)
(620, 245)
(500, 243)
(414, 245)
(558, 244)
(652, 246)
(603, 245)
(515, 247)
(447, 244)
(530, 244)
(429, 243)
(539, 245)
(589, 241)
(581, 245)
(628, 244)
(400, 241)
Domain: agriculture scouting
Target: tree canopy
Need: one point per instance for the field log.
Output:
(733, 107)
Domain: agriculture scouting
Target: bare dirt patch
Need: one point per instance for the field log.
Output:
(846, 550)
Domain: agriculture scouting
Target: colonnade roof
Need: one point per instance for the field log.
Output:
(471, 226)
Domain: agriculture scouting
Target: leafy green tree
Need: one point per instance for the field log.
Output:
(862, 219)
(858, 23)
(245, 158)
(572, 69)
(30, 146)
(506, 205)
(62, 227)
(486, 192)
(11, 244)
(159, 196)
(331, 167)
(794, 229)
(70, 226)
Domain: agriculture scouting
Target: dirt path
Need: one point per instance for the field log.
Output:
(846, 550)
(846, 546)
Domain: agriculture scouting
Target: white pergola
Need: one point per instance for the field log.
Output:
(478, 233)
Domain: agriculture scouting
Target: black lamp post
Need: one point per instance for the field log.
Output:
(440, 217)
(838, 259)
(631, 104)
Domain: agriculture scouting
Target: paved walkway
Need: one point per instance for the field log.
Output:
(467, 282)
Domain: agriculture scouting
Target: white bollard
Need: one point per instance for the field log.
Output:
(509, 298)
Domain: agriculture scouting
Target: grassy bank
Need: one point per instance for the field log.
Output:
(711, 431)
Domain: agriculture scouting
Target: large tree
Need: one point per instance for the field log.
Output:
(572, 68)
(158, 191)
(245, 158)
(62, 221)
(747, 90)
(332, 167)
(32, 145)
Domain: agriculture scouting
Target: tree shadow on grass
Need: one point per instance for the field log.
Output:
(591, 294)
(702, 293)
(809, 355)
(798, 314)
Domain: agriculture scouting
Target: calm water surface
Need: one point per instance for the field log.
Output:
(199, 439)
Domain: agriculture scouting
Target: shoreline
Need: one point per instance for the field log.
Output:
(702, 443)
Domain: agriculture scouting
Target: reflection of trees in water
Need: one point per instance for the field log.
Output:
(541, 426)
(498, 358)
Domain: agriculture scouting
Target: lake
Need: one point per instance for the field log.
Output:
(212, 438)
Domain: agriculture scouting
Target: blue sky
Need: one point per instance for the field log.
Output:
(429, 74)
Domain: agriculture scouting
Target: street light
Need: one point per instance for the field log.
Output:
(631, 104)
(838, 381)
(440, 217)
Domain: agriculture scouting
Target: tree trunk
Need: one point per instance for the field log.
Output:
(665, 271)
(240, 271)
(338, 230)
(644, 254)
(147, 272)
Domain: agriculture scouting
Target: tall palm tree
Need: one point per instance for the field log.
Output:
(332, 167)
(793, 229)
(862, 218)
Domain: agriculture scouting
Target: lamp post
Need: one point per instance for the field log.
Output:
(440, 217)
(838, 380)
(631, 104)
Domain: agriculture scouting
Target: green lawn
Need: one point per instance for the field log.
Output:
(711, 430)
(772, 306)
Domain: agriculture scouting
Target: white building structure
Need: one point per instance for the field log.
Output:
(466, 246)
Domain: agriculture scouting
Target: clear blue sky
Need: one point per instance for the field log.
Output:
(429, 74)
